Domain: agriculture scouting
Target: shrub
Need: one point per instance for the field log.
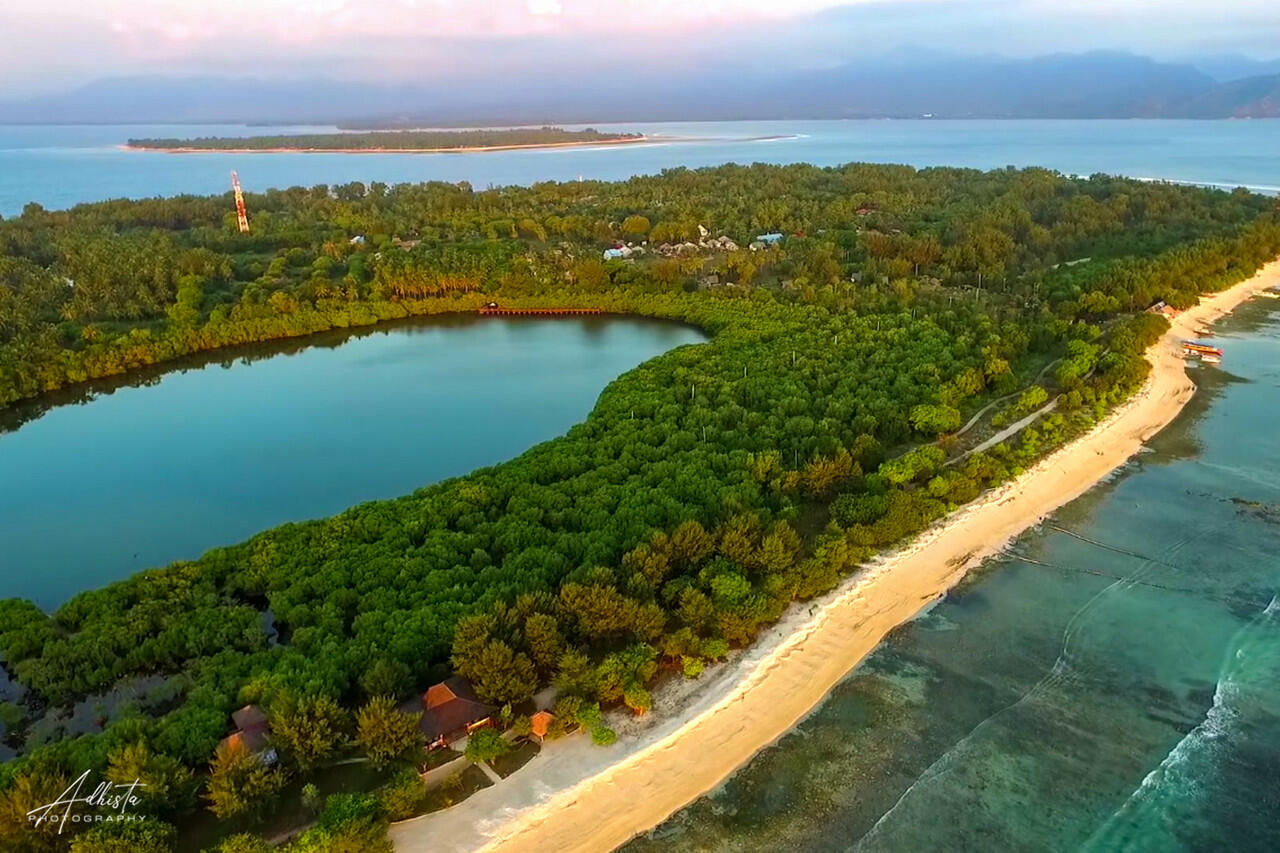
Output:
(344, 809)
(486, 745)
(141, 836)
(403, 796)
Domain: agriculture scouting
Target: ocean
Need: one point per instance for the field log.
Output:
(60, 166)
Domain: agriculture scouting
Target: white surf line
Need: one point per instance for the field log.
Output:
(1060, 671)
(1214, 723)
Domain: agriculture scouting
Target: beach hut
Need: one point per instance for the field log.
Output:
(449, 711)
(540, 724)
(252, 728)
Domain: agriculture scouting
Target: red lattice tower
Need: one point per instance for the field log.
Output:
(241, 216)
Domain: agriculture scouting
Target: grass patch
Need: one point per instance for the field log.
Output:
(455, 789)
(505, 765)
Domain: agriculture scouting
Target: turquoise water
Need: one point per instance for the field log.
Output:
(63, 165)
(120, 476)
(1115, 695)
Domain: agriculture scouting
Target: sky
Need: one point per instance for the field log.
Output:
(53, 45)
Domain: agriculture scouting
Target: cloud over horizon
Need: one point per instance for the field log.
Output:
(61, 43)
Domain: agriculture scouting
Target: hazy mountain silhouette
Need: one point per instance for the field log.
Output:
(905, 84)
(1253, 97)
(1227, 67)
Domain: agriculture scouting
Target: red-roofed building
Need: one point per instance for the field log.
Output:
(540, 724)
(449, 711)
(252, 728)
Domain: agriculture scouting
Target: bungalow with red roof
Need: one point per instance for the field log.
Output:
(450, 711)
(540, 724)
(252, 728)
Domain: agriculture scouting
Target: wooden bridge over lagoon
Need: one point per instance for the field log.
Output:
(494, 309)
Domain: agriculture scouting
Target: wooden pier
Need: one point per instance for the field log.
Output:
(495, 309)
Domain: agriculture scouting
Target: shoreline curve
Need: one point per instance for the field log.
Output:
(579, 797)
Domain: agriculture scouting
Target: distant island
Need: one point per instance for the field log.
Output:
(399, 140)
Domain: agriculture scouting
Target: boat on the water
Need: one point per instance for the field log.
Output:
(1270, 293)
(1201, 351)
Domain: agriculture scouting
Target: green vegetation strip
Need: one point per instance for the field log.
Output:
(391, 140)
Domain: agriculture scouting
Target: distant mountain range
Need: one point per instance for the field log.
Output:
(1081, 86)
(1226, 67)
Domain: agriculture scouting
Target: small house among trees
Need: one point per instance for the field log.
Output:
(252, 729)
(450, 711)
(540, 724)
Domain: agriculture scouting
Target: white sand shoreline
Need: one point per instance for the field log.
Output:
(578, 797)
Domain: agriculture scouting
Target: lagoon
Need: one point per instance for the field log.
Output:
(104, 480)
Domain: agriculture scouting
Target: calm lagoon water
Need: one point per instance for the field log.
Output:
(59, 166)
(1121, 696)
(165, 466)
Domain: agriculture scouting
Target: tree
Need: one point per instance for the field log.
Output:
(385, 677)
(486, 744)
(1033, 398)
(546, 645)
(914, 464)
(349, 823)
(131, 836)
(384, 732)
(576, 675)
(635, 226)
(935, 419)
(32, 789)
(166, 786)
(501, 675)
(403, 796)
(245, 842)
(186, 309)
(311, 801)
(779, 549)
(308, 729)
(623, 675)
(240, 782)
(690, 544)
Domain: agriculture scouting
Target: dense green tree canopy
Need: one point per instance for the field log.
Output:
(706, 490)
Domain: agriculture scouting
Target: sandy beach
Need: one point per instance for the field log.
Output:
(578, 797)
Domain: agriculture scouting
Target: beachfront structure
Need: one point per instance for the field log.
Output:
(252, 729)
(449, 711)
(540, 724)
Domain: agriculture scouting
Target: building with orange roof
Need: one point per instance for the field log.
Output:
(252, 730)
(449, 711)
(540, 724)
